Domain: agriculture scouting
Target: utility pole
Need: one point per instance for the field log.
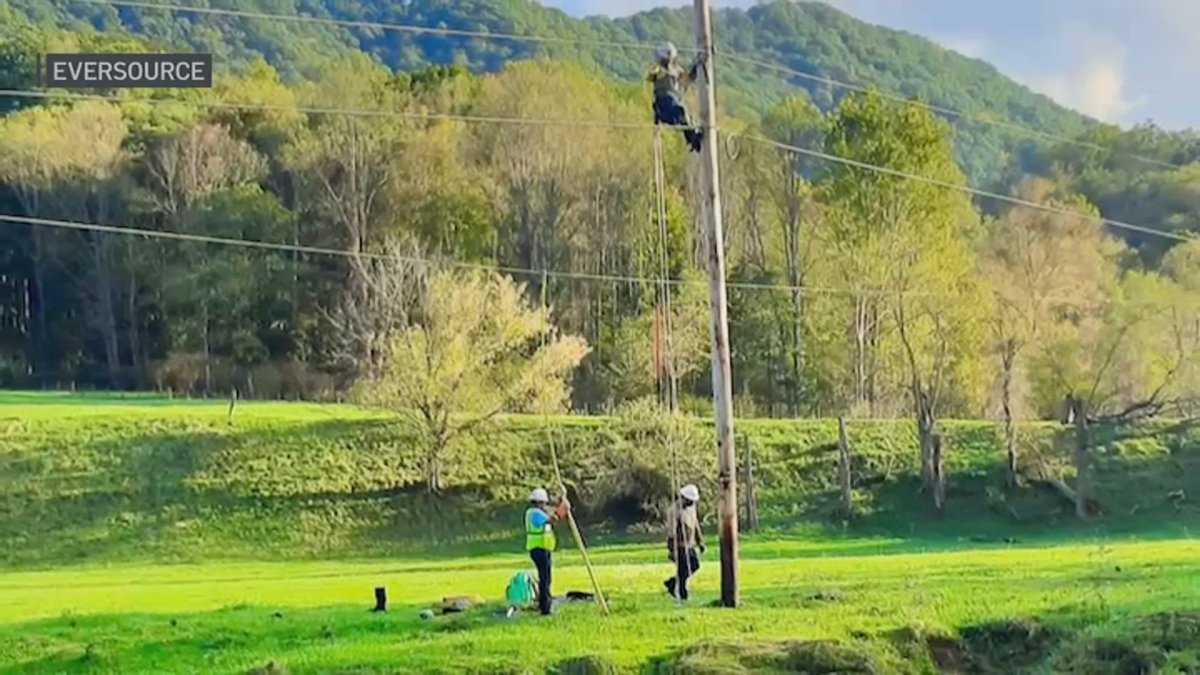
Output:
(710, 200)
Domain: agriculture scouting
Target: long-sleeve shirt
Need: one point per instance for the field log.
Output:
(683, 523)
(670, 80)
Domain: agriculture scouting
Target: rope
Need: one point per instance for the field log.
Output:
(664, 291)
(562, 486)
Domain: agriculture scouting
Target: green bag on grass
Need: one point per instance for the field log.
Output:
(520, 589)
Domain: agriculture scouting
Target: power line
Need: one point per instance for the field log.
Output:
(949, 112)
(377, 25)
(733, 56)
(317, 250)
(514, 271)
(349, 112)
(483, 119)
(970, 190)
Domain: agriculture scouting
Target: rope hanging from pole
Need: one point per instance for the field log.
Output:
(664, 294)
(562, 486)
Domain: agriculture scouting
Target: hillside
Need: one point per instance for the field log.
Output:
(810, 37)
(101, 479)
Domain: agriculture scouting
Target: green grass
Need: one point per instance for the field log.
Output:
(139, 534)
(222, 617)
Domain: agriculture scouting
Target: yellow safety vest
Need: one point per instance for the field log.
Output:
(538, 537)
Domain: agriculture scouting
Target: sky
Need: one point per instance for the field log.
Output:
(1123, 61)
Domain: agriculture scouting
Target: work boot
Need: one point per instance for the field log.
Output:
(670, 584)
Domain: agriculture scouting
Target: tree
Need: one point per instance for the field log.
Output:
(346, 170)
(905, 248)
(1042, 267)
(796, 122)
(478, 350)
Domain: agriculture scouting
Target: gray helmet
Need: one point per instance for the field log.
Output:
(666, 52)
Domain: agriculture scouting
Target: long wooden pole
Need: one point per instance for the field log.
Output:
(587, 561)
(710, 201)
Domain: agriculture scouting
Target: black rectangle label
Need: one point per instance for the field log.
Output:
(114, 71)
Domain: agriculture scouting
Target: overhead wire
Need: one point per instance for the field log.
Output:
(485, 119)
(456, 264)
(996, 196)
(945, 111)
(349, 112)
(377, 25)
(317, 250)
(611, 44)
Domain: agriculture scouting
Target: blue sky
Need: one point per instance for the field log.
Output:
(1122, 61)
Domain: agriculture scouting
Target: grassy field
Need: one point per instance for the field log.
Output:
(139, 535)
(1096, 608)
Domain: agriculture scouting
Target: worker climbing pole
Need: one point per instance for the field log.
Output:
(669, 80)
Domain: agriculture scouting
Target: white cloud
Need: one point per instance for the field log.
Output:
(1094, 77)
(1095, 88)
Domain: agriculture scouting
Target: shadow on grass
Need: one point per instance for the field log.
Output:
(332, 489)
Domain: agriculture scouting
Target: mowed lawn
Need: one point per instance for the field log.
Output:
(313, 617)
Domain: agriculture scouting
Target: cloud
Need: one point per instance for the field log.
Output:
(1097, 88)
(1094, 78)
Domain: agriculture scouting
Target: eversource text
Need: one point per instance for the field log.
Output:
(108, 71)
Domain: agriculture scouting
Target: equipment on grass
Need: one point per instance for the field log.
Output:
(460, 603)
(380, 599)
(427, 614)
(521, 589)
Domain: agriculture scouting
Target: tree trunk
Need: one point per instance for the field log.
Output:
(133, 327)
(105, 307)
(860, 352)
(1009, 359)
(751, 496)
(1082, 457)
(925, 425)
(207, 351)
(844, 477)
(41, 334)
(433, 466)
(939, 475)
(797, 345)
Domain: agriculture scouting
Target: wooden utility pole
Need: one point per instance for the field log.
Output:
(710, 206)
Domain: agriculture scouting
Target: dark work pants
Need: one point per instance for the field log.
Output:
(541, 559)
(687, 563)
(668, 110)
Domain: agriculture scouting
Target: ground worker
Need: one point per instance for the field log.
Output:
(669, 80)
(540, 541)
(683, 541)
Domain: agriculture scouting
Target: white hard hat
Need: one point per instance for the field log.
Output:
(539, 495)
(666, 51)
(690, 493)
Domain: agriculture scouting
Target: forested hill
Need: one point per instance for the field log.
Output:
(809, 37)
